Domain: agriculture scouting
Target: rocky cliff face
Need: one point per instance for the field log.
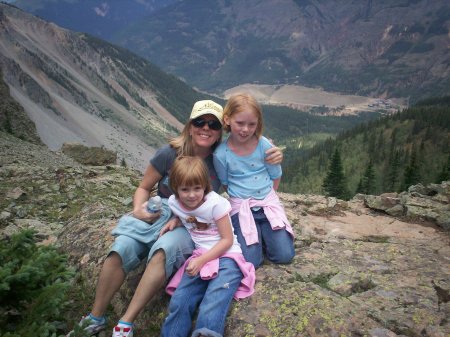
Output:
(357, 272)
(76, 88)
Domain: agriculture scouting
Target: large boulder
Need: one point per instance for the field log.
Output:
(94, 156)
(419, 202)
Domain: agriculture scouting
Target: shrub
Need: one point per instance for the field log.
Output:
(33, 284)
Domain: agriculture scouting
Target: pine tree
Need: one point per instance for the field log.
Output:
(335, 184)
(412, 174)
(360, 188)
(368, 183)
(445, 173)
(394, 172)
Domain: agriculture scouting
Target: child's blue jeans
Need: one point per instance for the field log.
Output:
(278, 245)
(213, 297)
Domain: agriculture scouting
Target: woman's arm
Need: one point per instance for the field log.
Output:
(274, 156)
(142, 193)
(225, 242)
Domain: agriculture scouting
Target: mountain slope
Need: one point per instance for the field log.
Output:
(389, 48)
(77, 88)
(392, 48)
(98, 17)
(13, 118)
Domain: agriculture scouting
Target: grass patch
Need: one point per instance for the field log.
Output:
(376, 239)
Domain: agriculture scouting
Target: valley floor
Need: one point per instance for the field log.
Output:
(304, 98)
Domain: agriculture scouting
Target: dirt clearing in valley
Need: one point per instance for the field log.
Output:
(304, 98)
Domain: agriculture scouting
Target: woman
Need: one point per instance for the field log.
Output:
(165, 254)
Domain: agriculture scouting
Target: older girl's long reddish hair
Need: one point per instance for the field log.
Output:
(243, 102)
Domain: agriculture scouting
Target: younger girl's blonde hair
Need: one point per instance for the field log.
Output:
(189, 171)
(243, 102)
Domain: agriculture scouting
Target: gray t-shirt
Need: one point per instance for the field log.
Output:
(163, 160)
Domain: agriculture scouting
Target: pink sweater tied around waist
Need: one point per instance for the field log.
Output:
(210, 270)
(273, 209)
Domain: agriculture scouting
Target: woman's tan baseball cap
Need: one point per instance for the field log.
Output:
(206, 107)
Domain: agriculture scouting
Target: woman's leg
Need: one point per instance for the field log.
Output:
(126, 254)
(182, 306)
(109, 282)
(150, 283)
(216, 302)
(252, 253)
(167, 254)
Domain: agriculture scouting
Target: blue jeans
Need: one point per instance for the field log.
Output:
(213, 298)
(278, 245)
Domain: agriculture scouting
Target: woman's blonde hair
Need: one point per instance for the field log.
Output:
(189, 171)
(184, 145)
(242, 102)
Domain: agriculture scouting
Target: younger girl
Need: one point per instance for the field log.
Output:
(217, 270)
(258, 216)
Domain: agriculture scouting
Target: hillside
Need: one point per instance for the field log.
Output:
(77, 88)
(412, 144)
(13, 118)
(100, 18)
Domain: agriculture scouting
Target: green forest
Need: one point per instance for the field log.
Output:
(388, 154)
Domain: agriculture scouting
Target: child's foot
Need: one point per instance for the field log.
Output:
(91, 325)
(123, 329)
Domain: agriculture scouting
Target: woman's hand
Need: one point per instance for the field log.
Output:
(141, 213)
(142, 193)
(274, 156)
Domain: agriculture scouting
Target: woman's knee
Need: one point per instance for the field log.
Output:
(126, 252)
(114, 258)
(158, 257)
(175, 242)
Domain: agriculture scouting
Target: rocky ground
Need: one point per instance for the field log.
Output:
(358, 271)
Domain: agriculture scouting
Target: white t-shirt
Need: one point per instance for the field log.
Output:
(201, 222)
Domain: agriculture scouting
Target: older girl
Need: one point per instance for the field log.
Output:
(258, 216)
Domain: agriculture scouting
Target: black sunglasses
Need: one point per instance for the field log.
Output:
(213, 124)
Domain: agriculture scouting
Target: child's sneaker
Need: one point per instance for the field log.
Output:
(90, 325)
(122, 331)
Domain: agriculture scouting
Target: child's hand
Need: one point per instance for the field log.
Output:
(170, 226)
(194, 266)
